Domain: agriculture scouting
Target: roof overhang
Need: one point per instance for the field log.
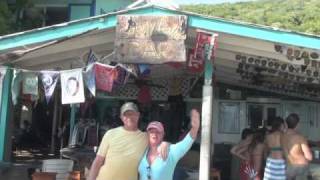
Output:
(63, 46)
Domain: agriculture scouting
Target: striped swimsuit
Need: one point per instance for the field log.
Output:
(275, 169)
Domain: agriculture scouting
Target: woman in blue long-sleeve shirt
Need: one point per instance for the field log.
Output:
(152, 167)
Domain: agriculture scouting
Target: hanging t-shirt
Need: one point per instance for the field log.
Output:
(175, 86)
(144, 95)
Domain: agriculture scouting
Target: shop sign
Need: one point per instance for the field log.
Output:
(150, 39)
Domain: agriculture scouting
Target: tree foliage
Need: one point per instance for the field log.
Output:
(16, 17)
(6, 20)
(295, 15)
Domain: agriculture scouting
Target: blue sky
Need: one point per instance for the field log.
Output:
(206, 1)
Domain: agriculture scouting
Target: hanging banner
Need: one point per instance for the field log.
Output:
(150, 39)
(202, 39)
(49, 81)
(194, 65)
(30, 83)
(133, 69)
(144, 70)
(3, 72)
(92, 57)
(105, 76)
(89, 79)
(16, 85)
(122, 75)
(72, 86)
(196, 56)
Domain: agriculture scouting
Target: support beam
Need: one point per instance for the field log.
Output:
(72, 119)
(86, 42)
(5, 113)
(74, 54)
(54, 122)
(205, 152)
(205, 148)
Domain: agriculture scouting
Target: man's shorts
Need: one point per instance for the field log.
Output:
(297, 172)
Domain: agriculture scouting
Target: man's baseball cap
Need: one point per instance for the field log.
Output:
(129, 106)
(155, 125)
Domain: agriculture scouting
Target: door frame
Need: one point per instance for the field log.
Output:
(266, 103)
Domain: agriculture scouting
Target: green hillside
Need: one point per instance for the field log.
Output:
(296, 15)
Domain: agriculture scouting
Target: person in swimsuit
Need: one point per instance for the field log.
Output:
(257, 151)
(251, 152)
(275, 166)
(296, 150)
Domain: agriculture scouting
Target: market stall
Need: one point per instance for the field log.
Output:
(258, 73)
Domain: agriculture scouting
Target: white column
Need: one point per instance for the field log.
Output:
(204, 172)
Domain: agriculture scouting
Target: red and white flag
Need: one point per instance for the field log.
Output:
(196, 56)
(204, 38)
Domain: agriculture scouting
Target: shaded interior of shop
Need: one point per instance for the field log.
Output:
(32, 141)
(34, 121)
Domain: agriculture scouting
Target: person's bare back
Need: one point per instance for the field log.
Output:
(272, 142)
(296, 148)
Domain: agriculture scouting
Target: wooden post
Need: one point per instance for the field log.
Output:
(205, 159)
(54, 122)
(5, 113)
